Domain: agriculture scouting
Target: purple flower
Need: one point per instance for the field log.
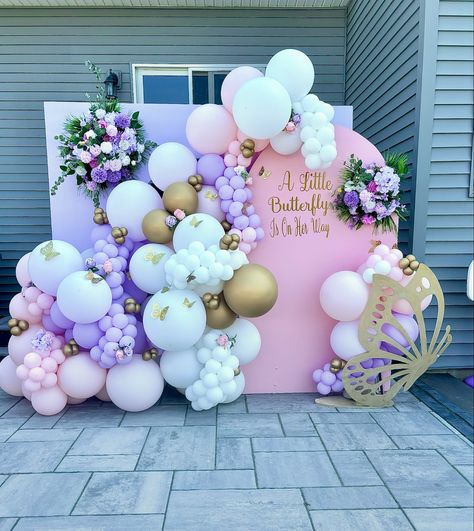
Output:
(91, 185)
(367, 219)
(171, 221)
(99, 175)
(372, 187)
(126, 174)
(42, 340)
(296, 118)
(351, 199)
(114, 176)
(122, 120)
(381, 210)
(387, 180)
(89, 263)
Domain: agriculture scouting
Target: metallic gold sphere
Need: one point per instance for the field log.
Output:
(155, 228)
(181, 196)
(218, 313)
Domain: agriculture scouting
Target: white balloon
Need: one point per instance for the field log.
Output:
(147, 266)
(127, 205)
(325, 135)
(307, 133)
(328, 153)
(345, 340)
(310, 103)
(239, 389)
(51, 262)
(261, 108)
(180, 368)
(368, 275)
(306, 119)
(294, 70)
(169, 163)
(286, 143)
(247, 340)
(344, 295)
(382, 267)
(319, 120)
(297, 107)
(313, 161)
(135, 386)
(312, 145)
(197, 227)
(174, 319)
(327, 110)
(81, 300)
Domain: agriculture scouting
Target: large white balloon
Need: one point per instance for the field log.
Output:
(84, 297)
(9, 381)
(286, 143)
(135, 386)
(180, 368)
(344, 295)
(294, 70)
(147, 266)
(345, 340)
(262, 108)
(127, 205)
(247, 340)
(51, 262)
(197, 227)
(174, 319)
(171, 162)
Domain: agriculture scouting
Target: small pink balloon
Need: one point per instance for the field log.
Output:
(230, 160)
(26, 393)
(36, 374)
(32, 293)
(80, 376)
(249, 235)
(234, 148)
(31, 385)
(9, 381)
(245, 247)
(382, 250)
(49, 401)
(260, 145)
(403, 306)
(18, 309)
(32, 359)
(210, 129)
(58, 356)
(22, 372)
(372, 260)
(392, 259)
(45, 301)
(243, 161)
(22, 274)
(58, 342)
(50, 380)
(35, 310)
(234, 80)
(396, 274)
(49, 364)
(19, 346)
(103, 395)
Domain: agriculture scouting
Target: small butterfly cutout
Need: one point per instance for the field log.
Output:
(95, 279)
(164, 290)
(188, 303)
(48, 251)
(264, 173)
(211, 195)
(195, 222)
(154, 258)
(374, 244)
(158, 312)
(190, 277)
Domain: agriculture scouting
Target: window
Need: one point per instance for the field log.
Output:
(179, 83)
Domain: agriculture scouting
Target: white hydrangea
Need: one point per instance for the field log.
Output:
(110, 117)
(125, 160)
(199, 269)
(216, 383)
(99, 114)
(106, 147)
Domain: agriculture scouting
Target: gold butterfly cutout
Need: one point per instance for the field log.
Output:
(264, 173)
(164, 290)
(154, 258)
(195, 222)
(187, 303)
(211, 195)
(95, 279)
(374, 244)
(158, 312)
(377, 386)
(48, 251)
(190, 277)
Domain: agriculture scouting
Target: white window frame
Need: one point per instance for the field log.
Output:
(140, 70)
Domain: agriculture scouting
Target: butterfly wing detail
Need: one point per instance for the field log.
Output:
(195, 222)
(376, 376)
(48, 251)
(187, 303)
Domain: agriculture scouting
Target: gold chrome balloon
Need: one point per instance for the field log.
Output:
(17, 326)
(229, 242)
(71, 348)
(252, 291)
(100, 217)
(196, 182)
(155, 228)
(409, 264)
(150, 354)
(337, 365)
(218, 313)
(118, 234)
(131, 305)
(181, 196)
(226, 225)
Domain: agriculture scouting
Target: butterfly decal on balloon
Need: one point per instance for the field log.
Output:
(48, 251)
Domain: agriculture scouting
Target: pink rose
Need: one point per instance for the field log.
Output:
(367, 219)
(103, 124)
(85, 157)
(372, 186)
(107, 267)
(119, 354)
(222, 340)
(290, 127)
(179, 214)
(93, 163)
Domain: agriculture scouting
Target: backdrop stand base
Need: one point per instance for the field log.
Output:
(342, 402)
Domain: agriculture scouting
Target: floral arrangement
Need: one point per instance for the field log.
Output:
(370, 194)
(103, 147)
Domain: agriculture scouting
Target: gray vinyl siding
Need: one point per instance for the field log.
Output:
(449, 222)
(381, 79)
(42, 54)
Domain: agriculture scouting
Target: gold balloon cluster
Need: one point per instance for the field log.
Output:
(181, 196)
(336, 365)
(118, 234)
(247, 148)
(18, 326)
(131, 305)
(155, 228)
(71, 348)
(229, 242)
(226, 225)
(218, 313)
(409, 264)
(196, 182)
(100, 216)
(150, 354)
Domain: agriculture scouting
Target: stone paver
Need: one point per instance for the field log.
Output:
(276, 462)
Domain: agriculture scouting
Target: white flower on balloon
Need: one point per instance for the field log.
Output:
(106, 147)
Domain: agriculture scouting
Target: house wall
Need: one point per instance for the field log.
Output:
(444, 225)
(381, 80)
(42, 55)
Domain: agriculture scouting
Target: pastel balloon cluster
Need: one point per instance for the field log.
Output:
(201, 269)
(382, 261)
(328, 382)
(217, 379)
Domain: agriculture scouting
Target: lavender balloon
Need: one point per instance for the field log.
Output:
(328, 382)
(210, 167)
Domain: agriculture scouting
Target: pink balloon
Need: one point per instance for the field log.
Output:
(45, 301)
(260, 145)
(19, 346)
(36, 374)
(103, 395)
(49, 364)
(58, 355)
(210, 129)
(81, 377)
(230, 160)
(344, 295)
(396, 274)
(49, 401)
(18, 309)
(31, 386)
(31, 293)
(209, 203)
(234, 148)
(22, 274)
(50, 380)
(75, 401)
(22, 372)
(372, 260)
(243, 161)
(345, 340)
(403, 306)
(32, 359)
(9, 381)
(35, 310)
(234, 80)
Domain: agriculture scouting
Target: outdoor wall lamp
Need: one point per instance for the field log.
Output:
(111, 85)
